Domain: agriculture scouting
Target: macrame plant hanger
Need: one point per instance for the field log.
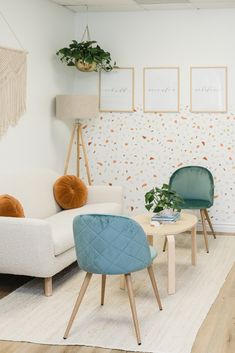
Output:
(13, 69)
(86, 33)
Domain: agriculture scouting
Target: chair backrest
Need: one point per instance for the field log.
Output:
(193, 182)
(107, 244)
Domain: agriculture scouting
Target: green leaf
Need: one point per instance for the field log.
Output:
(149, 196)
(165, 186)
(148, 207)
(157, 209)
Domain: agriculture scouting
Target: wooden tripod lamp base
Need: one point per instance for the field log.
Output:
(77, 107)
(78, 135)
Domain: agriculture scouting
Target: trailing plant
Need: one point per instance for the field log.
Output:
(87, 53)
(159, 199)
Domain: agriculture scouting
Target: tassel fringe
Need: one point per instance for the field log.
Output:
(13, 70)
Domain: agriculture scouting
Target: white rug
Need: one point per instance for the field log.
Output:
(27, 315)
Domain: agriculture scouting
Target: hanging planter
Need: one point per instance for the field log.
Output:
(85, 67)
(86, 56)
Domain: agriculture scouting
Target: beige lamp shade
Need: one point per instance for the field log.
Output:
(76, 106)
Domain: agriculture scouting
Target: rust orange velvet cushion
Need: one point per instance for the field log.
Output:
(70, 192)
(10, 207)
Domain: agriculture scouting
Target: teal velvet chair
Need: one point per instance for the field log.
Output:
(195, 185)
(111, 245)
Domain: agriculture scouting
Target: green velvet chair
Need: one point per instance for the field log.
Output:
(195, 185)
(112, 245)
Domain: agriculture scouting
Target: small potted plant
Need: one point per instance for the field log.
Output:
(164, 200)
(86, 56)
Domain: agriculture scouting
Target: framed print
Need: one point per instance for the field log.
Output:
(161, 89)
(208, 89)
(116, 90)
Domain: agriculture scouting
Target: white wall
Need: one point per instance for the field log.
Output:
(135, 150)
(122, 145)
(43, 28)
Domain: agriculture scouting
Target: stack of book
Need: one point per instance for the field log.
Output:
(166, 218)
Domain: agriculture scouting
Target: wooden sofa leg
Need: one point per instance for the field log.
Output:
(48, 286)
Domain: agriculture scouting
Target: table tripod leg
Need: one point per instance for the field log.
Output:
(171, 263)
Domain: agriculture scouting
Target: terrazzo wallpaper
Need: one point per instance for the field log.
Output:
(140, 150)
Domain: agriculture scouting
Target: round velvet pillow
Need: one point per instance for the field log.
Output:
(10, 207)
(70, 192)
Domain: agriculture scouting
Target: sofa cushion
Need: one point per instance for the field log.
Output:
(10, 207)
(62, 223)
(70, 192)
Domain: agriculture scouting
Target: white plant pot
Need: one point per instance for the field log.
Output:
(167, 212)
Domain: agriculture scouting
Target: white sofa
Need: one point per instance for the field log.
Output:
(42, 244)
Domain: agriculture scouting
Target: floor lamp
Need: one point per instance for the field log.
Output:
(78, 108)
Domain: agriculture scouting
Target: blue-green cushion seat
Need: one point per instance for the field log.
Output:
(196, 204)
(111, 245)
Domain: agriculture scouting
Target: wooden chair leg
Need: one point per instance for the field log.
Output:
(133, 308)
(122, 282)
(204, 230)
(103, 282)
(209, 222)
(194, 246)
(165, 244)
(150, 239)
(48, 286)
(78, 302)
(154, 284)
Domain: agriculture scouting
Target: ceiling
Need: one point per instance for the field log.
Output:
(143, 5)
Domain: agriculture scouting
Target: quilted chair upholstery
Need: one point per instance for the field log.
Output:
(195, 184)
(111, 245)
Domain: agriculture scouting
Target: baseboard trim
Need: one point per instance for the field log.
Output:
(220, 227)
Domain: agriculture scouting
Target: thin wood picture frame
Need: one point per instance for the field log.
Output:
(116, 90)
(208, 89)
(162, 94)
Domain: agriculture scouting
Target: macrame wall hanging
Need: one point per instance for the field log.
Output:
(13, 69)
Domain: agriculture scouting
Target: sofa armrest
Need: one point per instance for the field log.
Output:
(102, 193)
(26, 246)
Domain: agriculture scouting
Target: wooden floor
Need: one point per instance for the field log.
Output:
(216, 335)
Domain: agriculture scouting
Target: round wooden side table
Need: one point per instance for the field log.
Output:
(187, 222)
